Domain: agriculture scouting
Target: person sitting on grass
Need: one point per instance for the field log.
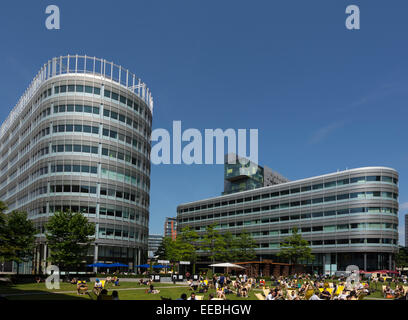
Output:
(82, 287)
(244, 292)
(227, 290)
(387, 292)
(325, 294)
(97, 287)
(271, 295)
(115, 295)
(153, 290)
(315, 296)
(210, 296)
(343, 295)
(220, 294)
(104, 295)
(293, 296)
(108, 279)
(192, 296)
(116, 282)
(182, 297)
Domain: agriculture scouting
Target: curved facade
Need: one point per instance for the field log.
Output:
(79, 139)
(348, 217)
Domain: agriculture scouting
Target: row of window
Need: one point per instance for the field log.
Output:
(73, 188)
(73, 168)
(122, 118)
(121, 155)
(75, 148)
(320, 214)
(74, 88)
(330, 228)
(130, 103)
(76, 108)
(118, 212)
(295, 190)
(332, 242)
(95, 110)
(347, 196)
(104, 191)
(119, 176)
(75, 128)
(116, 233)
(121, 137)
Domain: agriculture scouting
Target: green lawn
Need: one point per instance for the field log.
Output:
(127, 291)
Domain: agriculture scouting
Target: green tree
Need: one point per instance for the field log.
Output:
(401, 258)
(18, 237)
(186, 245)
(213, 243)
(168, 250)
(3, 244)
(245, 247)
(69, 236)
(231, 247)
(295, 248)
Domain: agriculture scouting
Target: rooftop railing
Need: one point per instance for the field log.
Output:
(76, 64)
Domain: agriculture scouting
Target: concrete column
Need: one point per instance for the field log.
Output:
(45, 258)
(389, 261)
(365, 261)
(95, 259)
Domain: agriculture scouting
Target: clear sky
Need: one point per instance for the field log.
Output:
(323, 97)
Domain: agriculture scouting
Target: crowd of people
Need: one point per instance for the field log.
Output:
(293, 287)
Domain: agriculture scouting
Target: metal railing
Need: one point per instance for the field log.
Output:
(77, 64)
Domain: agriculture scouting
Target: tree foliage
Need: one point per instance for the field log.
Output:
(401, 258)
(69, 236)
(245, 245)
(295, 248)
(213, 243)
(17, 236)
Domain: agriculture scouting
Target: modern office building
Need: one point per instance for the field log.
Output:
(79, 139)
(406, 230)
(247, 175)
(154, 243)
(349, 217)
(170, 228)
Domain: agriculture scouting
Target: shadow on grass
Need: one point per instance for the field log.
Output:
(9, 291)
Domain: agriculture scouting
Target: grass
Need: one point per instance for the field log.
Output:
(126, 290)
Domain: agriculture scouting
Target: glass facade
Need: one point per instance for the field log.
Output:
(81, 142)
(351, 212)
(242, 176)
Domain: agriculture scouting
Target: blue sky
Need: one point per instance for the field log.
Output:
(323, 97)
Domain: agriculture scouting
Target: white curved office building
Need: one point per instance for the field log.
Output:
(348, 217)
(79, 139)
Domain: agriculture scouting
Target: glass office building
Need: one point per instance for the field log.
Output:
(170, 227)
(348, 217)
(154, 243)
(79, 139)
(246, 175)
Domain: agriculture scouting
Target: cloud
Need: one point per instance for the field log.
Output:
(403, 206)
(324, 132)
